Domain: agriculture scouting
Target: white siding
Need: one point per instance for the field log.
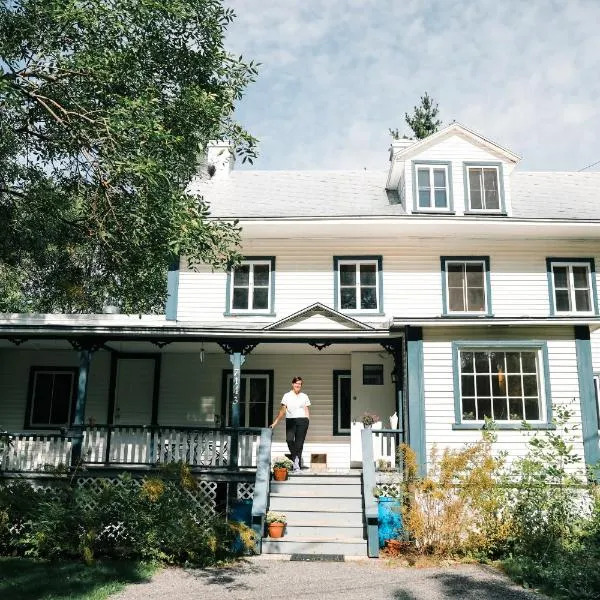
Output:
(457, 150)
(439, 385)
(412, 284)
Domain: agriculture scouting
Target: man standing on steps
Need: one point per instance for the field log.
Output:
(294, 406)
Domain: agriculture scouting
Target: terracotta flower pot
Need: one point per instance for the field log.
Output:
(280, 473)
(276, 530)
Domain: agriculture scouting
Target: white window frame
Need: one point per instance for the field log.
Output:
(250, 288)
(357, 263)
(432, 188)
(464, 263)
(541, 387)
(571, 289)
(468, 185)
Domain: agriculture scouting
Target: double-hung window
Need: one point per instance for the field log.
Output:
(251, 286)
(572, 288)
(51, 399)
(432, 189)
(506, 384)
(466, 285)
(358, 284)
(484, 188)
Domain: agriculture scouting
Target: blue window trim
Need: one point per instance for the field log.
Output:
(336, 401)
(542, 345)
(588, 262)
(500, 167)
(428, 163)
(229, 312)
(336, 278)
(488, 286)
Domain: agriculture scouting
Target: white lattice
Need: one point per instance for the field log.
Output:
(245, 490)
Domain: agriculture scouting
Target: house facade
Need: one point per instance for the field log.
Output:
(446, 289)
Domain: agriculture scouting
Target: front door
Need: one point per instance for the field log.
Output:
(134, 389)
(256, 403)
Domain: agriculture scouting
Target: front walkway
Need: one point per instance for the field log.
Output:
(260, 578)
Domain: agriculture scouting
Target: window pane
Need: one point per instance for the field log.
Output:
(261, 275)
(348, 274)
(348, 298)
(456, 301)
(515, 409)
(468, 385)
(440, 199)
(476, 300)
(42, 399)
(492, 197)
(61, 398)
(563, 301)
(580, 277)
(561, 277)
(530, 386)
(240, 298)
(483, 385)
(344, 400)
(513, 362)
(423, 178)
(368, 275)
(257, 402)
(529, 362)
(241, 275)
(481, 362)
(582, 300)
(474, 275)
(368, 298)
(484, 408)
(260, 298)
(514, 385)
(499, 384)
(424, 199)
(476, 201)
(532, 409)
(468, 410)
(466, 362)
(475, 188)
(439, 178)
(455, 274)
(500, 409)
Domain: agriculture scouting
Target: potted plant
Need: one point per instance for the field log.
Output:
(276, 523)
(281, 466)
(368, 419)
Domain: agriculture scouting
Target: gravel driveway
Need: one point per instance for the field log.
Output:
(261, 579)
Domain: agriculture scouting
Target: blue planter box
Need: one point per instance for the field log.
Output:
(389, 518)
(241, 511)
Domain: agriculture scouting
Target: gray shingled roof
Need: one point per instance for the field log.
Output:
(545, 195)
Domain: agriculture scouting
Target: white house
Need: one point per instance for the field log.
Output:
(446, 287)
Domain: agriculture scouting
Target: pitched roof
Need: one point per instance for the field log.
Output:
(264, 194)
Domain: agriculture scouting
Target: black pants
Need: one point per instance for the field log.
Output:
(295, 434)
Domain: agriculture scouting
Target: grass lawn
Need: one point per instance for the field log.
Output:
(25, 579)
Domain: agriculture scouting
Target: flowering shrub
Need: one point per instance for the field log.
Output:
(368, 419)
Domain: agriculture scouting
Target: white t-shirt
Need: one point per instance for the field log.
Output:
(294, 404)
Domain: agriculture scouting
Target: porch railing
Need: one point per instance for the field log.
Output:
(385, 446)
(116, 445)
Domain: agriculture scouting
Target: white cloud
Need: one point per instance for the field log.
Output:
(337, 74)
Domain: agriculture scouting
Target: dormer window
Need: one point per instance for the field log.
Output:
(432, 189)
(483, 186)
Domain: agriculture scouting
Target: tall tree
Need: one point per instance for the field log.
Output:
(424, 121)
(105, 107)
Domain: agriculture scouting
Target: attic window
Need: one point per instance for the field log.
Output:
(483, 184)
(432, 188)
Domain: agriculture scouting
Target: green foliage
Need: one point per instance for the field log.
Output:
(283, 462)
(423, 121)
(159, 520)
(106, 107)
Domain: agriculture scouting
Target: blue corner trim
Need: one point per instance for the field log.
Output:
(172, 291)
(588, 262)
(430, 163)
(488, 284)
(336, 286)
(500, 167)
(541, 345)
(416, 396)
(587, 396)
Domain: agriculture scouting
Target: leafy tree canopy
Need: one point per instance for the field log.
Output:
(423, 121)
(105, 107)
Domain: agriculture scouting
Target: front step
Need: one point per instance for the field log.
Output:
(324, 515)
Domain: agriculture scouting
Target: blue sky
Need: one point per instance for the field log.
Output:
(337, 74)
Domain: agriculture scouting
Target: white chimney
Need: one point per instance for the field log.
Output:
(220, 158)
(400, 145)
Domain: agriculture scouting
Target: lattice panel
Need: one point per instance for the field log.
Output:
(390, 489)
(245, 490)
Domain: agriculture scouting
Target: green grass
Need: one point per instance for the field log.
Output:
(25, 579)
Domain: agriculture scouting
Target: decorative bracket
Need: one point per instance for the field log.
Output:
(91, 345)
(17, 341)
(241, 347)
(319, 345)
(160, 343)
(391, 347)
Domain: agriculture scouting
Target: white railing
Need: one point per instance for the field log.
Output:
(111, 445)
(385, 446)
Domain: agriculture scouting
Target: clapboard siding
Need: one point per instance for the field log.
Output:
(595, 338)
(412, 285)
(456, 149)
(439, 385)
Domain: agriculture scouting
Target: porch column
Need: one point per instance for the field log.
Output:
(237, 359)
(416, 399)
(85, 358)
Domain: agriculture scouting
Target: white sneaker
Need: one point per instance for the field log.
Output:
(296, 465)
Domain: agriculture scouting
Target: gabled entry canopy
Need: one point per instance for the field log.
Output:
(317, 316)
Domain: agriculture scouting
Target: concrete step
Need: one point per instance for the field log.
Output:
(281, 503)
(331, 490)
(296, 545)
(318, 530)
(302, 478)
(332, 518)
